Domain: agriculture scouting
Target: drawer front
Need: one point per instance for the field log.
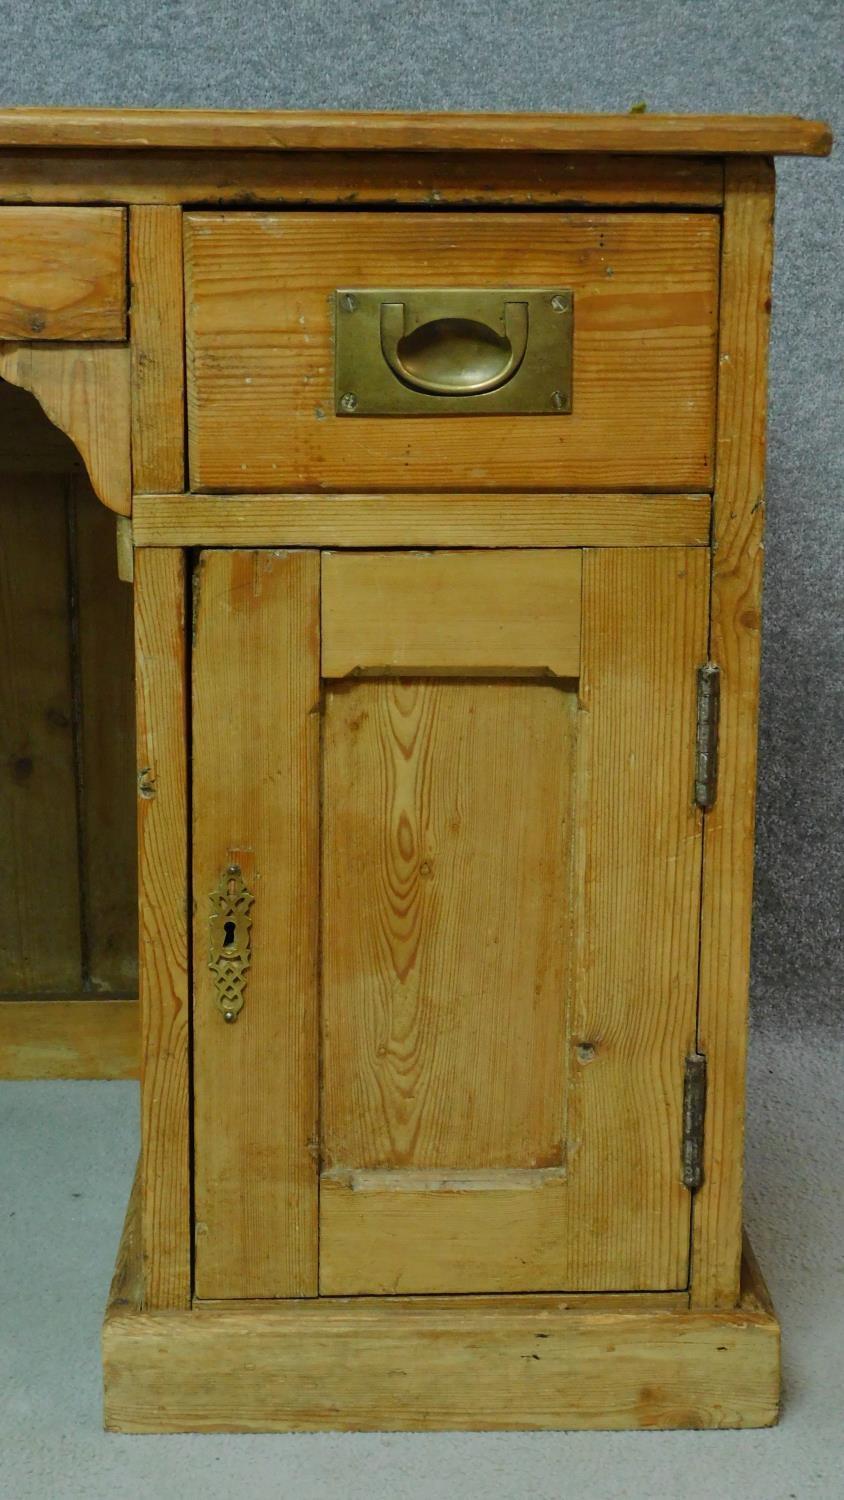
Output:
(261, 351)
(63, 274)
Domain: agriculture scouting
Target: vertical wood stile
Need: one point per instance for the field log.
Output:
(735, 645)
(637, 869)
(255, 802)
(157, 335)
(160, 683)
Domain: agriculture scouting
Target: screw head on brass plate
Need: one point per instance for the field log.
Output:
(451, 351)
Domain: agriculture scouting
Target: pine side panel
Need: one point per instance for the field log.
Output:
(157, 340)
(108, 799)
(40, 947)
(637, 869)
(256, 804)
(737, 561)
(160, 682)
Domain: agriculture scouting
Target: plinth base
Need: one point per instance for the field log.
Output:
(429, 1363)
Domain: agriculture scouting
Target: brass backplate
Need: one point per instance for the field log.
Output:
(230, 944)
(452, 351)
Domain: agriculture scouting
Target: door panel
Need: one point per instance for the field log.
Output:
(503, 1050)
(256, 804)
(445, 806)
(502, 613)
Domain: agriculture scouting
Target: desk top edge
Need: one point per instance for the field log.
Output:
(277, 130)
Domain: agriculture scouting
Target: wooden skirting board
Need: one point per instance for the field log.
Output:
(470, 1363)
(69, 1039)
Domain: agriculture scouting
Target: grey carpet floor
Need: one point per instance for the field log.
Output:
(69, 1151)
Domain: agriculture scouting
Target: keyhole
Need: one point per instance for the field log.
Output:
(228, 935)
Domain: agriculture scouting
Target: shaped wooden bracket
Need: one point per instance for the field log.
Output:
(84, 390)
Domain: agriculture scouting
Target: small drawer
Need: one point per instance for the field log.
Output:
(282, 398)
(63, 274)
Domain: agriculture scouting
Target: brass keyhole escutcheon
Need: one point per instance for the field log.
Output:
(230, 945)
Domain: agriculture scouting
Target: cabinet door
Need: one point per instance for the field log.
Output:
(510, 889)
(472, 979)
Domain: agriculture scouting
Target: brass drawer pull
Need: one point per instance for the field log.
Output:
(453, 351)
(454, 356)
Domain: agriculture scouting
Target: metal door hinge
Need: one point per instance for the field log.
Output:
(694, 1109)
(706, 735)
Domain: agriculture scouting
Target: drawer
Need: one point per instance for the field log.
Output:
(261, 312)
(63, 274)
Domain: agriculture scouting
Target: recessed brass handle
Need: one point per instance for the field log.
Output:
(467, 351)
(454, 356)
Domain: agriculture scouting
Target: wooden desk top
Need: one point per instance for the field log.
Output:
(275, 130)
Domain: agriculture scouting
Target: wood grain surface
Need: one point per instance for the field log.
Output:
(261, 361)
(470, 1363)
(432, 1056)
(158, 365)
(255, 789)
(737, 561)
(283, 130)
(430, 179)
(395, 519)
(637, 872)
(84, 390)
(161, 710)
(69, 1038)
(415, 895)
(471, 614)
(62, 273)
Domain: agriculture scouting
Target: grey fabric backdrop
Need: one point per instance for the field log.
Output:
(701, 55)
